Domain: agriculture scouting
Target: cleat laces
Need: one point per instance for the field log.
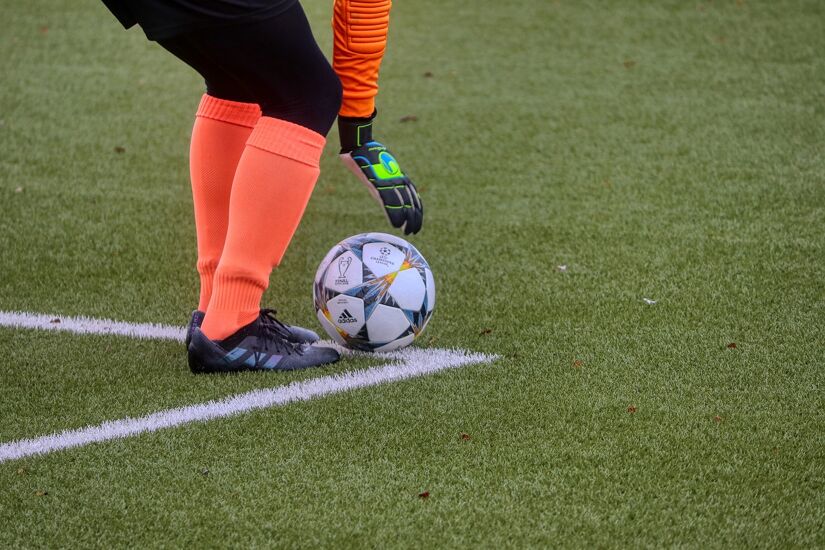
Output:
(275, 336)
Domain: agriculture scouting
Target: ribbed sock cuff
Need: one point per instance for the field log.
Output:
(236, 302)
(206, 270)
(287, 140)
(233, 112)
(234, 292)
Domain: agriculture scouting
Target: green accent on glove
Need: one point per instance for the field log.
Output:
(388, 168)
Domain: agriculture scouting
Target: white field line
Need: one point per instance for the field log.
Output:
(404, 364)
(86, 325)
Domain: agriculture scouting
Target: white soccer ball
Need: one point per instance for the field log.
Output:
(374, 292)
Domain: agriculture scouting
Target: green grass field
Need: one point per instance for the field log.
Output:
(663, 150)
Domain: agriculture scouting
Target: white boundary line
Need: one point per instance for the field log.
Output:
(87, 325)
(405, 363)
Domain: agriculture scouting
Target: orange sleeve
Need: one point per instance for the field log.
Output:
(360, 28)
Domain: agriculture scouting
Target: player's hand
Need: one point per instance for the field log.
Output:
(376, 167)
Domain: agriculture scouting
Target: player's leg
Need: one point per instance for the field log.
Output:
(279, 62)
(223, 123)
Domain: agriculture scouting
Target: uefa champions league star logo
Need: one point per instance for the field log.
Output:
(343, 266)
(383, 256)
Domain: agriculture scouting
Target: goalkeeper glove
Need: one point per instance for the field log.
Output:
(374, 165)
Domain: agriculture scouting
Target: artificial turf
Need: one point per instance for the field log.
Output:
(575, 158)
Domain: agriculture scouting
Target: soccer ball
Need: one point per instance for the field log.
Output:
(374, 292)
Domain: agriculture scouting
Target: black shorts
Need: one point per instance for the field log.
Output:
(161, 19)
(274, 62)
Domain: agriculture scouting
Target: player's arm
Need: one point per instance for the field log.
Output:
(361, 28)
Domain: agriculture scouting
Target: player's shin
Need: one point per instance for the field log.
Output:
(273, 183)
(218, 140)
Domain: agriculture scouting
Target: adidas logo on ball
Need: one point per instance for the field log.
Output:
(346, 317)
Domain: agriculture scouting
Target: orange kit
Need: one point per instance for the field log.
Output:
(360, 28)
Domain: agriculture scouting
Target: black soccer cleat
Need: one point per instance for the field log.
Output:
(298, 335)
(195, 322)
(262, 345)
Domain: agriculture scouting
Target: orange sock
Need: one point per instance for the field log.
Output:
(218, 139)
(273, 183)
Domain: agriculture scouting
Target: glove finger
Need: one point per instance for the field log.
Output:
(407, 208)
(413, 224)
(415, 215)
(416, 198)
(394, 206)
(419, 215)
